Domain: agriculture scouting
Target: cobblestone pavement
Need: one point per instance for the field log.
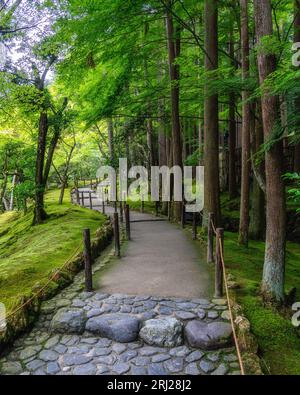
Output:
(42, 352)
(76, 351)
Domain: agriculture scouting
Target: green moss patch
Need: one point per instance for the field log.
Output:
(28, 254)
(278, 340)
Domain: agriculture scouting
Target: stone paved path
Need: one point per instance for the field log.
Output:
(42, 352)
(69, 340)
(160, 260)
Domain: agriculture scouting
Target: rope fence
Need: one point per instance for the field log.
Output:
(41, 290)
(221, 275)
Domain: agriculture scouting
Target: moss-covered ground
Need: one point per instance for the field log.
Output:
(279, 341)
(28, 254)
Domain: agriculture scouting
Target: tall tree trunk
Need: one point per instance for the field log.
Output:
(66, 175)
(51, 150)
(211, 126)
(14, 181)
(110, 128)
(174, 51)
(297, 39)
(232, 181)
(246, 165)
(258, 215)
(40, 213)
(274, 265)
(4, 184)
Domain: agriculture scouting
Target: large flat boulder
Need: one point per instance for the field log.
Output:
(208, 336)
(122, 328)
(163, 332)
(69, 321)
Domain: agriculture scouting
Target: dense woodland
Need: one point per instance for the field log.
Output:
(162, 82)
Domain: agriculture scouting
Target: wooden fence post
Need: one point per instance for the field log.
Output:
(77, 196)
(219, 264)
(210, 238)
(117, 235)
(121, 212)
(169, 211)
(156, 208)
(88, 260)
(183, 215)
(82, 199)
(127, 221)
(91, 200)
(195, 226)
(142, 205)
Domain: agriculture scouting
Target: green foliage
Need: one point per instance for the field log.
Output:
(294, 193)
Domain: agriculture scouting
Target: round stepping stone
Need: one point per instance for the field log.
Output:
(162, 332)
(121, 328)
(208, 336)
(69, 321)
(185, 315)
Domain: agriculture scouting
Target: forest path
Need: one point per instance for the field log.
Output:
(161, 260)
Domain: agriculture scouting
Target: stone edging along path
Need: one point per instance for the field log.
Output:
(82, 333)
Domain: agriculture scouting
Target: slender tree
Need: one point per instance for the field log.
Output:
(246, 165)
(211, 126)
(173, 36)
(274, 265)
(297, 40)
(232, 179)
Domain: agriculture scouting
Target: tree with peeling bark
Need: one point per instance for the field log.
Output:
(274, 265)
(246, 124)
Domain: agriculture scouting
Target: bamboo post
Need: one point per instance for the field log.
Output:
(195, 226)
(127, 221)
(210, 238)
(91, 200)
(88, 260)
(77, 196)
(82, 199)
(219, 264)
(117, 235)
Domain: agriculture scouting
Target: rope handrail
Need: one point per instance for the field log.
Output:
(239, 355)
(41, 290)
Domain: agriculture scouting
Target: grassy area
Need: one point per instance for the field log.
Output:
(29, 253)
(278, 340)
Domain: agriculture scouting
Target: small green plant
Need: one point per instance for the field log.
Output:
(294, 193)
